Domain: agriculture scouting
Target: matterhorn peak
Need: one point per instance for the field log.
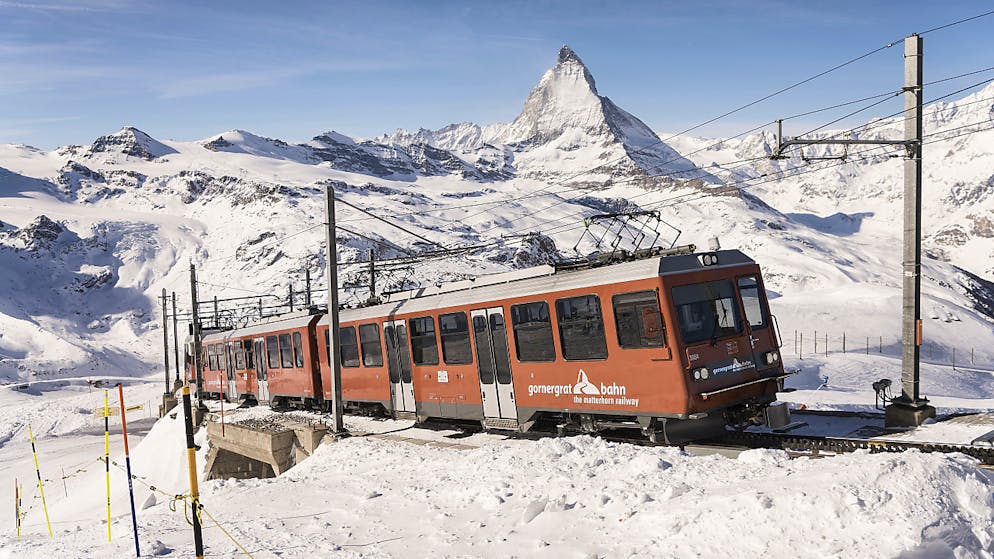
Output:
(567, 55)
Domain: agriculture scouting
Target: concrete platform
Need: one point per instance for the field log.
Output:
(259, 449)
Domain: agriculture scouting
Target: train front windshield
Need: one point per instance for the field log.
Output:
(707, 311)
(710, 310)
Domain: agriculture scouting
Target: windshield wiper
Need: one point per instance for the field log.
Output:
(715, 330)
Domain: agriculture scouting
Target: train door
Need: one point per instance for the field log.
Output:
(399, 365)
(494, 363)
(230, 382)
(261, 373)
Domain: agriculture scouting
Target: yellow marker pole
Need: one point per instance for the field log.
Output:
(107, 457)
(191, 458)
(41, 487)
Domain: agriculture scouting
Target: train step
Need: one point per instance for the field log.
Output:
(500, 423)
(405, 415)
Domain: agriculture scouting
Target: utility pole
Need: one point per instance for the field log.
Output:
(307, 282)
(290, 298)
(909, 409)
(176, 342)
(373, 299)
(334, 353)
(165, 339)
(198, 365)
(217, 319)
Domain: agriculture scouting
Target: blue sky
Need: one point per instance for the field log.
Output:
(74, 70)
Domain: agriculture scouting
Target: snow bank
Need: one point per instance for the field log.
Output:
(572, 497)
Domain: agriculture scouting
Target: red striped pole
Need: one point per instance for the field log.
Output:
(127, 462)
(222, 405)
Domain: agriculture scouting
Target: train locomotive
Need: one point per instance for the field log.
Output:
(677, 345)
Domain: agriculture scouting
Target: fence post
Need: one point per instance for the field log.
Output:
(826, 344)
(816, 343)
(867, 345)
(801, 347)
(881, 346)
(954, 358)
(843, 341)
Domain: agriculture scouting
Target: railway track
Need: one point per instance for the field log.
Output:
(814, 446)
(733, 443)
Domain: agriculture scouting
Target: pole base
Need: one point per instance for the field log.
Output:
(168, 403)
(902, 413)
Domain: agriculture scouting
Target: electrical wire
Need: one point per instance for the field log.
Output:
(971, 18)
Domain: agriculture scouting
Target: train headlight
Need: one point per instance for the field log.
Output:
(709, 259)
(701, 373)
(771, 357)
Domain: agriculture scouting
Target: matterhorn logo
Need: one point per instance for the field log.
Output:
(584, 386)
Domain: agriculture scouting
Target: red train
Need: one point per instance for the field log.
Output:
(674, 345)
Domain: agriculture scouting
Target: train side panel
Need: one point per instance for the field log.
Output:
(365, 379)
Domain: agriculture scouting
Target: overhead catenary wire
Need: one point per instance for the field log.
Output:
(390, 223)
(964, 20)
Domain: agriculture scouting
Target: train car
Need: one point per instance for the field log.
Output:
(673, 345)
(365, 376)
(272, 360)
(678, 346)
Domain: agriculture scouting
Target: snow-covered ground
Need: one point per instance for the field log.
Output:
(495, 497)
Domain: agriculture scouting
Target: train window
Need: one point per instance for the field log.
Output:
(706, 311)
(424, 347)
(239, 357)
(369, 338)
(349, 348)
(454, 329)
(213, 357)
(286, 351)
(581, 327)
(533, 332)
(298, 351)
(638, 320)
(249, 356)
(272, 352)
(749, 291)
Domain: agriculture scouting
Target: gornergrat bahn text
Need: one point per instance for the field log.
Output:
(678, 346)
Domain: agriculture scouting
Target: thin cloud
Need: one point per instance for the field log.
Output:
(21, 78)
(79, 6)
(239, 81)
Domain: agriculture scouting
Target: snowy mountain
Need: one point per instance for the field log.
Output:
(92, 234)
(566, 127)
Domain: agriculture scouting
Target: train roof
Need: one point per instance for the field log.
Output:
(264, 326)
(536, 281)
